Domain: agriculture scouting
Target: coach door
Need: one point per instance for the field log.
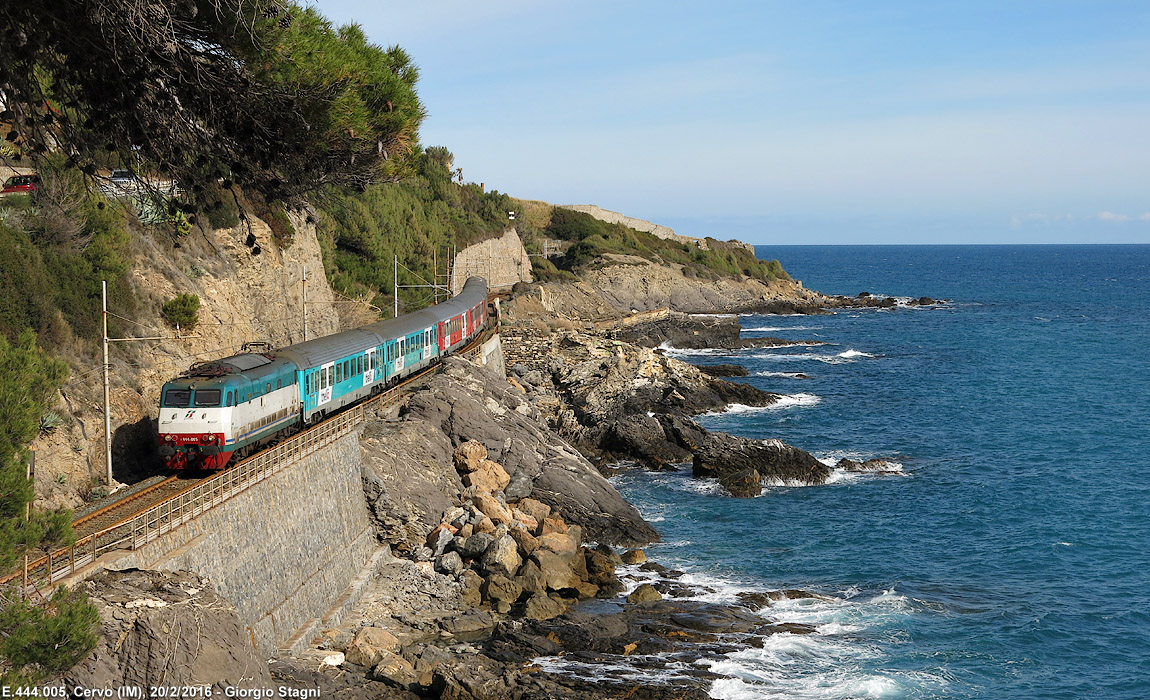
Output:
(369, 367)
(326, 382)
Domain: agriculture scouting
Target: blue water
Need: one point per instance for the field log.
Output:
(1011, 558)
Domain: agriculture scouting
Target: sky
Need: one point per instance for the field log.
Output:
(799, 122)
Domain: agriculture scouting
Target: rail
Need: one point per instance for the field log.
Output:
(164, 517)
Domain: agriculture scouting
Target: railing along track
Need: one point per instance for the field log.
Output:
(135, 531)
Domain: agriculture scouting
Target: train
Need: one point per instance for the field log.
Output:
(234, 406)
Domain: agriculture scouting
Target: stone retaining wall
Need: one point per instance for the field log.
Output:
(285, 550)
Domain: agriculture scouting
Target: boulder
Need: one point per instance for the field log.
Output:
(450, 564)
(369, 645)
(530, 578)
(474, 546)
(561, 544)
(552, 525)
(609, 552)
(533, 508)
(527, 521)
(492, 508)
(470, 455)
(634, 556)
(440, 537)
(645, 593)
(502, 557)
(485, 526)
(501, 592)
(487, 478)
(775, 461)
(470, 589)
(600, 568)
(744, 483)
(555, 570)
(880, 466)
(394, 670)
(539, 606)
(527, 543)
(642, 437)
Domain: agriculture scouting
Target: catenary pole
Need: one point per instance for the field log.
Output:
(107, 393)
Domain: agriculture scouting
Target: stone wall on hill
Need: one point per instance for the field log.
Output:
(502, 261)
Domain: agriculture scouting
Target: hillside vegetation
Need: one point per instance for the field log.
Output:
(591, 239)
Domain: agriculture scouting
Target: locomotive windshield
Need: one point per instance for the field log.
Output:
(177, 398)
(207, 397)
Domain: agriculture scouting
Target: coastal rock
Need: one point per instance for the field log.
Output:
(395, 670)
(534, 508)
(469, 456)
(633, 556)
(450, 564)
(490, 506)
(502, 557)
(645, 593)
(474, 546)
(369, 645)
(642, 437)
(487, 477)
(501, 592)
(541, 607)
(195, 638)
(721, 370)
(776, 462)
(744, 483)
(555, 570)
(465, 403)
(880, 466)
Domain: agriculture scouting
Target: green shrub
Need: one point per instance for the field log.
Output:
(592, 238)
(47, 639)
(182, 312)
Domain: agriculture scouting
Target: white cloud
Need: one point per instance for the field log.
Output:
(1145, 216)
(1111, 216)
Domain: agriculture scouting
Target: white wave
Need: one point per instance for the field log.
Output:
(839, 476)
(785, 345)
(673, 351)
(784, 375)
(773, 329)
(851, 353)
(789, 400)
(791, 357)
(785, 401)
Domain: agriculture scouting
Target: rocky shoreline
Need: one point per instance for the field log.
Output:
(513, 568)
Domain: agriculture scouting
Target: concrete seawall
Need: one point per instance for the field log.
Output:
(286, 551)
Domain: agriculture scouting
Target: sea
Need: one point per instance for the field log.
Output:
(1007, 554)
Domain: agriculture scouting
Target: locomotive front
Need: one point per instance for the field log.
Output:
(194, 423)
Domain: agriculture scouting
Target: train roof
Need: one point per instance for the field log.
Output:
(314, 353)
(329, 348)
(474, 291)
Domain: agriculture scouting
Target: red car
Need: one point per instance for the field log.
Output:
(21, 184)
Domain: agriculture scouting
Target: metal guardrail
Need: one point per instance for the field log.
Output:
(164, 517)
